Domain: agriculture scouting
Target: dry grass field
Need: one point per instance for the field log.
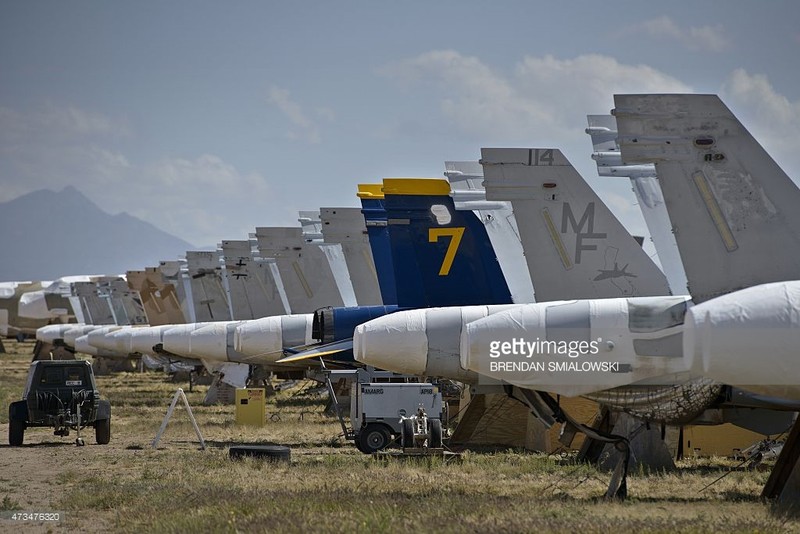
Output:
(127, 486)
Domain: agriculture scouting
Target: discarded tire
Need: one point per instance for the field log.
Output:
(274, 453)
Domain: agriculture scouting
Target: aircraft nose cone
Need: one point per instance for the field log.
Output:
(100, 337)
(396, 342)
(49, 333)
(258, 336)
(142, 340)
(266, 338)
(210, 342)
(177, 340)
(73, 333)
(82, 345)
(97, 337)
(119, 340)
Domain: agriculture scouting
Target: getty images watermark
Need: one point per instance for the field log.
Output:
(536, 353)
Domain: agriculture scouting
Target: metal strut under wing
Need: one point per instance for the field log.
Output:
(547, 409)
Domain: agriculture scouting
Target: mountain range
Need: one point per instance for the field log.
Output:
(46, 234)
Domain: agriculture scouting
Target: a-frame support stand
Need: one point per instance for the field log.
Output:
(181, 395)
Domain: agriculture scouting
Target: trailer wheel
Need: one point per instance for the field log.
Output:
(373, 438)
(407, 434)
(435, 441)
(16, 433)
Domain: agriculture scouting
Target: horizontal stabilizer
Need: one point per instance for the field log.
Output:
(321, 351)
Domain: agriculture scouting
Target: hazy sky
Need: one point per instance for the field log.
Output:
(211, 118)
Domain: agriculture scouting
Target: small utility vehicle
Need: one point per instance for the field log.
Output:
(61, 394)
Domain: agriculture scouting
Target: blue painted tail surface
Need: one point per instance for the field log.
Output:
(372, 206)
(441, 256)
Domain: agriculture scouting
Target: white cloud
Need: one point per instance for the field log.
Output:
(198, 198)
(304, 128)
(52, 146)
(544, 98)
(59, 123)
(772, 118)
(709, 38)
(201, 199)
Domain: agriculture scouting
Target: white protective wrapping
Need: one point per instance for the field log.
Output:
(100, 338)
(235, 374)
(81, 344)
(422, 342)
(9, 289)
(259, 336)
(211, 341)
(395, 342)
(120, 340)
(615, 359)
(177, 339)
(265, 338)
(51, 332)
(748, 338)
(32, 305)
(71, 334)
(143, 339)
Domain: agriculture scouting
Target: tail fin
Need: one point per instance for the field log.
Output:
(372, 206)
(311, 223)
(95, 309)
(346, 227)
(603, 129)
(125, 304)
(441, 256)
(574, 246)
(466, 183)
(208, 294)
(251, 287)
(734, 211)
(305, 271)
(158, 297)
(175, 273)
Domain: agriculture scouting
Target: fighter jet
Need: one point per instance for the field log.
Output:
(736, 222)
(616, 272)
